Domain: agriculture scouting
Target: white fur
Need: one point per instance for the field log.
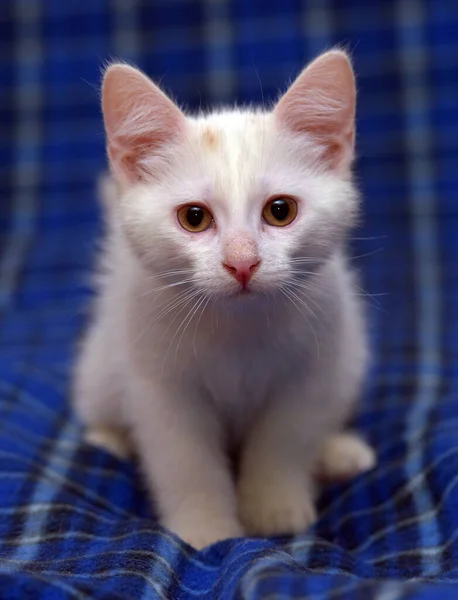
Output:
(195, 371)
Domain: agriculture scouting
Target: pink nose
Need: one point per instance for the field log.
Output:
(242, 270)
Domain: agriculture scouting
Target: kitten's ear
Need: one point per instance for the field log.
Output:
(321, 103)
(140, 121)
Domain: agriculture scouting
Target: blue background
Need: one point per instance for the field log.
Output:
(74, 522)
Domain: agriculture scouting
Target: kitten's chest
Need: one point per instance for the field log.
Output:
(237, 386)
(239, 365)
(241, 376)
(236, 376)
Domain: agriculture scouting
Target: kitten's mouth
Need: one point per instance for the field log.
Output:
(243, 291)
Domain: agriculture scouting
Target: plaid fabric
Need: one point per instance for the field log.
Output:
(74, 522)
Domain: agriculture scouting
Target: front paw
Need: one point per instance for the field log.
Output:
(200, 530)
(344, 456)
(275, 507)
(112, 440)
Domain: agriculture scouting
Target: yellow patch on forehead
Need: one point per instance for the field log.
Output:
(211, 137)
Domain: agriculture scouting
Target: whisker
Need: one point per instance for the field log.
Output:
(310, 286)
(303, 259)
(165, 287)
(300, 289)
(197, 326)
(160, 307)
(182, 305)
(166, 305)
(370, 237)
(376, 251)
(291, 299)
(304, 304)
(197, 305)
(373, 297)
(182, 299)
(177, 331)
(301, 272)
(170, 273)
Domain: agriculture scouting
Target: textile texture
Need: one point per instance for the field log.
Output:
(75, 523)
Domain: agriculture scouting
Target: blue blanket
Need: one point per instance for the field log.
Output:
(75, 523)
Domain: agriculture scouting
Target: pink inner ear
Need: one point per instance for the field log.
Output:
(139, 120)
(321, 103)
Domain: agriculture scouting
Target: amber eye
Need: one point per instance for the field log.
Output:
(194, 218)
(280, 211)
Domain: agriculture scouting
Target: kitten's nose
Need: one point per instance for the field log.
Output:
(242, 270)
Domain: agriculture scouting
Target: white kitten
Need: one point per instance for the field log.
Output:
(226, 320)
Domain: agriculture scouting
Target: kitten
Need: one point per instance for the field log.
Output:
(226, 320)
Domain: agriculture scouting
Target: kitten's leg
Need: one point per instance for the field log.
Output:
(115, 441)
(344, 456)
(275, 493)
(277, 485)
(97, 396)
(179, 443)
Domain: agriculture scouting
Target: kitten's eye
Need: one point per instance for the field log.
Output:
(280, 211)
(194, 218)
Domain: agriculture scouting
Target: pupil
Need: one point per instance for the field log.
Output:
(195, 216)
(279, 209)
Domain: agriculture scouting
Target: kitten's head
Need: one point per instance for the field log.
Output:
(237, 201)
